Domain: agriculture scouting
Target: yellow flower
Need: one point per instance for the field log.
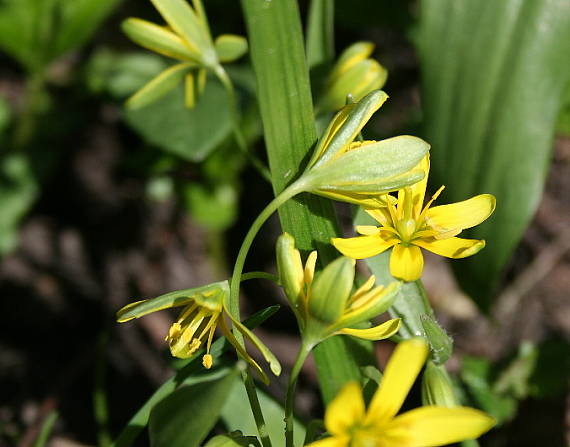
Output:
(187, 39)
(350, 424)
(325, 306)
(204, 309)
(407, 226)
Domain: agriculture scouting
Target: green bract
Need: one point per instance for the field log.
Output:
(187, 39)
(362, 172)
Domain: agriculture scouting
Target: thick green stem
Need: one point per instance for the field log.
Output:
(290, 400)
(238, 134)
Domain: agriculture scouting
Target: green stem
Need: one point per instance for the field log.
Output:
(289, 192)
(293, 190)
(259, 275)
(290, 399)
(238, 134)
(256, 408)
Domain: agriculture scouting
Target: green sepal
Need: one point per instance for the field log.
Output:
(378, 307)
(184, 21)
(355, 53)
(230, 47)
(345, 126)
(209, 295)
(159, 86)
(375, 167)
(331, 289)
(157, 38)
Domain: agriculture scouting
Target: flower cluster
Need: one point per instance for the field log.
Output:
(186, 39)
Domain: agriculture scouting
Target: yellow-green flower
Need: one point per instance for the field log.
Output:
(204, 309)
(361, 172)
(324, 306)
(187, 39)
(409, 226)
(355, 74)
(350, 424)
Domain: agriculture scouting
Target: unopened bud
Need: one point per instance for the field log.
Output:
(437, 388)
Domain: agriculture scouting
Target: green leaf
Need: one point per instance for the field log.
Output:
(283, 91)
(18, 191)
(5, 115)
(476, 373)
(77, 22)
(237, 415)
(46, 429)
(494, 74)
(191, 134)
(191, 366)
(213, 207)
(320, 35)
(186, 416)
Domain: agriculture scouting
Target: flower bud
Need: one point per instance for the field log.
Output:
(290, 268)
(331, 289)
(437, 388)
(354, 74)
(440, 344)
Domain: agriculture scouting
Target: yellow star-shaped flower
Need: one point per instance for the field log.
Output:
(408, 226)
(203, 309)
(350, 424)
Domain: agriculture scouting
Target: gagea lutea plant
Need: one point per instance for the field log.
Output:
(388, 179)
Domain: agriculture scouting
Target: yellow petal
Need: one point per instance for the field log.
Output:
(399, 376)
(380, 332)
(373, 200)
(381, 216)
(435, 426)
(406, 263)
(361, 247)
(367, 230)
(461, 215)
(454, 247)
(345, 411)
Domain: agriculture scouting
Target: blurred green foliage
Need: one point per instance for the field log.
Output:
(493, 77)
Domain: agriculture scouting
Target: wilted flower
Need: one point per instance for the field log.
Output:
(187, 39)
(350, 424)
(355, 74)
(325, 306)
(409, 225)
(204, 309)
